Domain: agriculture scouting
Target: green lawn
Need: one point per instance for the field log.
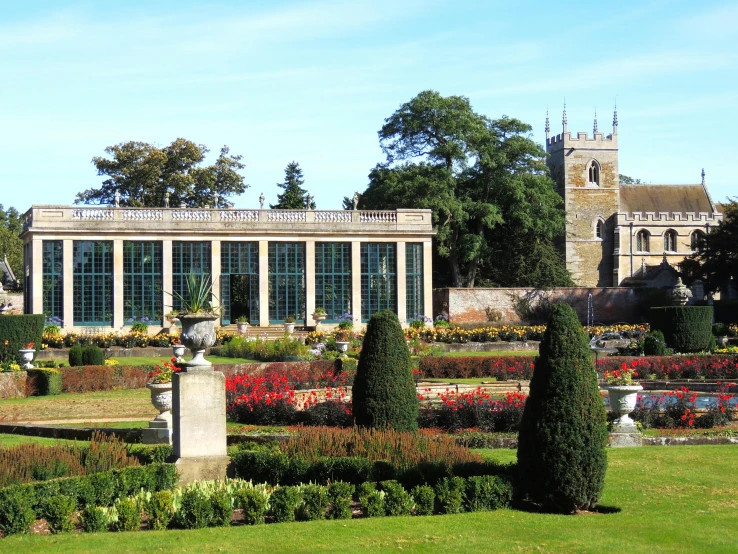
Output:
(13, 440)
(671, 499)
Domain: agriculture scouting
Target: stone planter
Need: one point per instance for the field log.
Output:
(623, 400)
(243, 328)
(289, 328)
(342, 345)
(160, 428)
(198, 333)
(179, 351)
(172, 319)
(26, 355)
(317, 318)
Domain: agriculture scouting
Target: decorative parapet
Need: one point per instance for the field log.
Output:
(667, 217)
(582, 139)
(62, 219)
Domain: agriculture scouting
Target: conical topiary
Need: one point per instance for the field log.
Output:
(563, 433)
(383, 394)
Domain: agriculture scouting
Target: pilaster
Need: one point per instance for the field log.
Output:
(118, 316)
(37, 264)
(263, 283)
(215, 272)
(309, 282)
(401, 287)
(356, 281)
(166, 275)
(428, 280)
(68, 282)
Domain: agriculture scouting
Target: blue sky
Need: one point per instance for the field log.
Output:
(314, 81)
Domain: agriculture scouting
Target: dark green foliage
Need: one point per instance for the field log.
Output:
(19, 331)
(104, 484)
(159, 509)
(720, 329)
(562, 439)
(58, 513)
(93, 519)
(339, 496)
(129, 516)
(487, 492)
(397, 501)
(314, 503)
(16, 510)
(151, 454)
(75, 356)
(48, 381)
(686, 328)
(253, 502)
(654, 344)
(372, 500)
(425, 499)
(196, 510)
(222, 509)
(294, 196)
(384, 390)
(283, 503)
(726, 312)
(93, 355)
(450, 495)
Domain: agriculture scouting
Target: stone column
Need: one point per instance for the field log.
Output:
(428, 280)
(401, 285)
(215, 270)
(166, 275)
(68, 283)
(263, 283)
(356, 281)
(118, 316)
(37, 289)
(309, 281)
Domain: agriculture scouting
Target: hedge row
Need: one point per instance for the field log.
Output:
(674, 367)
(502, 368)
(277, 468)
(17, 331)
(22, 504)
(686, 328)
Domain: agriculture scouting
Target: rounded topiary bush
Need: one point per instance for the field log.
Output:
(686, 328)
(75, 356)
(654, 343)
(563, 433)
(93, 355)
(383, 394)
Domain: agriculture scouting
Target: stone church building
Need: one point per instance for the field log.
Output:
(620, 234)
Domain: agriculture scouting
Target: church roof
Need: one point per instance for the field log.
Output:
(664, 198)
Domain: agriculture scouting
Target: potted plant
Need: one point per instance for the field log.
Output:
(319, 315)
(178, 349)
(289, 324)
(160, 385)
(623, 392)
(242, 324)
(197, 317)
(172, 318)
(344, 335)
(27, 353)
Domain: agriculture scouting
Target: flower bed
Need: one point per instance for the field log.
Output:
(502, 368)
(132, 339)
(453, 411)
(674, 367)
(677, 409)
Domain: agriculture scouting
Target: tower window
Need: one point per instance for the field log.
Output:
(698, 239)
(594, 173)
(670, 240)
(600, 229)
(642, 241)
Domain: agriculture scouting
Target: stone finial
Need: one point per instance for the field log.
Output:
(548, 126)
(594, 132)
(563, 119)
(703, 176)
(680, 294)
(615, 120)
(262, 198)
(356, 201)
(116, 196)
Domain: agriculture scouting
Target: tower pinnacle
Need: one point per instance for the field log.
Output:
(563, 119)
(615, 119)
(703, 176)
(595, 123)
(548, 126)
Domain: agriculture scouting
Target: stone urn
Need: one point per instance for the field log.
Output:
(179, 351)
(161, 398)
(26, 355)
(342, 345)
(198, 333)
(172, 319)
(243, 328)
(623, 400)
(680, 294)
(289, 328)
(317, 318)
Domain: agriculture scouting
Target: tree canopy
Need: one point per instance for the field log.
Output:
(12, 247)
(294, 196)
(716, 260)
(487, 184)
(144, 174)
(11, 220)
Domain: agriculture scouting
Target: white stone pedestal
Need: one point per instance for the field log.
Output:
(199, 421)
(625, 434)
(158, 432)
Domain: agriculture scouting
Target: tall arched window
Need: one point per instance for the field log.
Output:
(697, 239)
(642, 241)
(593, 173)
(670, 241)
(600, 229)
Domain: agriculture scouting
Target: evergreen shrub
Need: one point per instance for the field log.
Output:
(253, 502)
(129, 516)
(563, 433)
(450, 495)
(93, 355)
(397, 501)
(195, 511)
(487, 492)
(16, 511)
(425, 498)
(314, 502)
(686, 328)
(58, 512)
(48, 381)
(19, 331)
(654, 344)
(75, 356)
(339, 496)
(283, 503)
(94, 519)
(383, 393)
(372, 500)
(222, 508)
(159, 510)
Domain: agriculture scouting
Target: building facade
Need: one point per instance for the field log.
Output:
(112, 266)
(616, 232)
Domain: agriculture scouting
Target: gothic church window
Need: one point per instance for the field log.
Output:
(600, 229)
(642, 241)
(594, 173)
(670, 240)
(698, 238)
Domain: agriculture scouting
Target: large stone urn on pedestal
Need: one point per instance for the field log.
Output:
(160, 428)
(199, 406)
(26, 356)
(623, 400)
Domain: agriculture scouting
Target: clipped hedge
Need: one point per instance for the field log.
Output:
(101, 378)
(502, 368)
(48, 381)
(19, 331)
(21, 504)
(686, 328)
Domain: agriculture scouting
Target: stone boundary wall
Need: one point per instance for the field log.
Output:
(13, 384)
(483, 305)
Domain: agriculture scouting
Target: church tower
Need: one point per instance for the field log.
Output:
(585, 170)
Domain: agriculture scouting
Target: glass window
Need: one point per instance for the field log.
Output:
(594, 173)
(52, 280)
(378, 278)
(93, 282)
(414, 281)
(697, 240)
(670, 241)
(239, 281)
(600, 229)
(142, 282)
(333, 278)
(188, 257)
(642, 241)
(286, 281)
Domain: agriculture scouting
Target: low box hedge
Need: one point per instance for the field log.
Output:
(502, 368)
(48, 381)
(686, 329)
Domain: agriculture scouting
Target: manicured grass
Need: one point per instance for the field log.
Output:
(13, 440)
(670, 499)
(153, 360)
(493, 353)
